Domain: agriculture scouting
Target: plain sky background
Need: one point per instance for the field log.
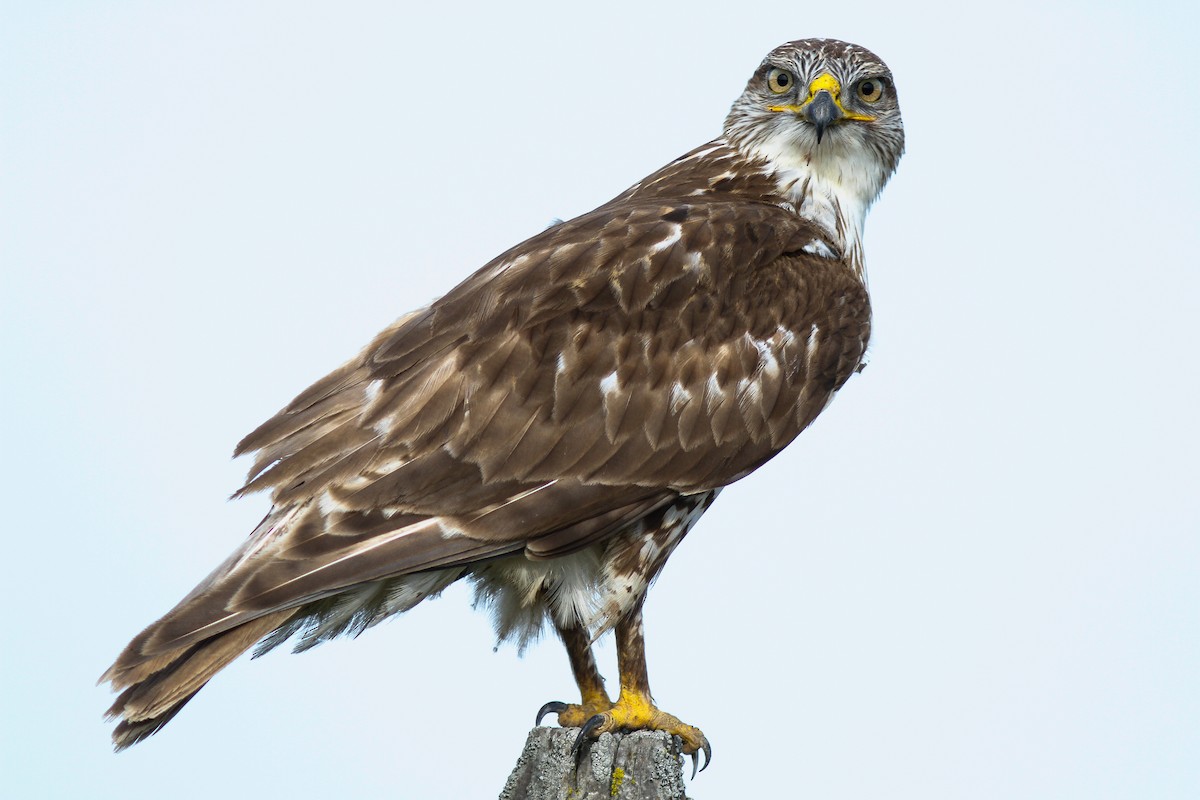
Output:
(977, 576)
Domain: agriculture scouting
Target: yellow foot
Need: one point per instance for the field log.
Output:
(575, 715)
(637, 712)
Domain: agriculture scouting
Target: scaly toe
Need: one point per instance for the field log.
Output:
(636, 712)
(694, 740)
(574, 715)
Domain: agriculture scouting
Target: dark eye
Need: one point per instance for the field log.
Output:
(870, 90)
(779, 80)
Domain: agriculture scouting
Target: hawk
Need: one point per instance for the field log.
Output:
(552, 427)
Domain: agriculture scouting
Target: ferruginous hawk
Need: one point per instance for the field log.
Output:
(552, 427)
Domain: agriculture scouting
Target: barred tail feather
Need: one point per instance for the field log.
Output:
(156, 689)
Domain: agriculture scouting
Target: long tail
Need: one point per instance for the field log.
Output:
(154, 689)
(295, 575)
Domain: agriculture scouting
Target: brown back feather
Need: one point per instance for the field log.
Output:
(668, 342)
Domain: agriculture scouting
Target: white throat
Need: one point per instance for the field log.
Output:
(832, 186)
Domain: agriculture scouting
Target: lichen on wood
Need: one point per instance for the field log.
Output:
(644, 765)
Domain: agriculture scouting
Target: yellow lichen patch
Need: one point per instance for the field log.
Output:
(617, 779)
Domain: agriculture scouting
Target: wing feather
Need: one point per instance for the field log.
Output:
(622, 349)
(585, 376)
(667, 343)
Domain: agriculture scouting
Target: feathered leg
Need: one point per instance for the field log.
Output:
(635, 709)
(587, 677)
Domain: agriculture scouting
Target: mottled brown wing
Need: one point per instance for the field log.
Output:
(666, 346)
(577, 382)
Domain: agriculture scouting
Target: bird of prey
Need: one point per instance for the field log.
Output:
(552, 427)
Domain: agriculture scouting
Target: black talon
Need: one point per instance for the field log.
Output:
(553, 707)
(707, 748)
(594, 722)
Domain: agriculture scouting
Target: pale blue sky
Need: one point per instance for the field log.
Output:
(977, 576)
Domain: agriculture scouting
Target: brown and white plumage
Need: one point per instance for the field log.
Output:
(553, 426)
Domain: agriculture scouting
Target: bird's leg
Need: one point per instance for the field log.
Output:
(587, 677)
(635, 709)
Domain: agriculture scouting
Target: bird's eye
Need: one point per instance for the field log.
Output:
(779, 80)
(870, 90)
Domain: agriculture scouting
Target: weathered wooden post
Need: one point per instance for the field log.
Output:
(645, 765)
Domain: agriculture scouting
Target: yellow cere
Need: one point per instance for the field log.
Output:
(828, 83)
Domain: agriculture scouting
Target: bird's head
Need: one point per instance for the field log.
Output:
(824, 108)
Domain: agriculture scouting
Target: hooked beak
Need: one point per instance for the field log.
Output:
(823, 106)
(821, 111)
